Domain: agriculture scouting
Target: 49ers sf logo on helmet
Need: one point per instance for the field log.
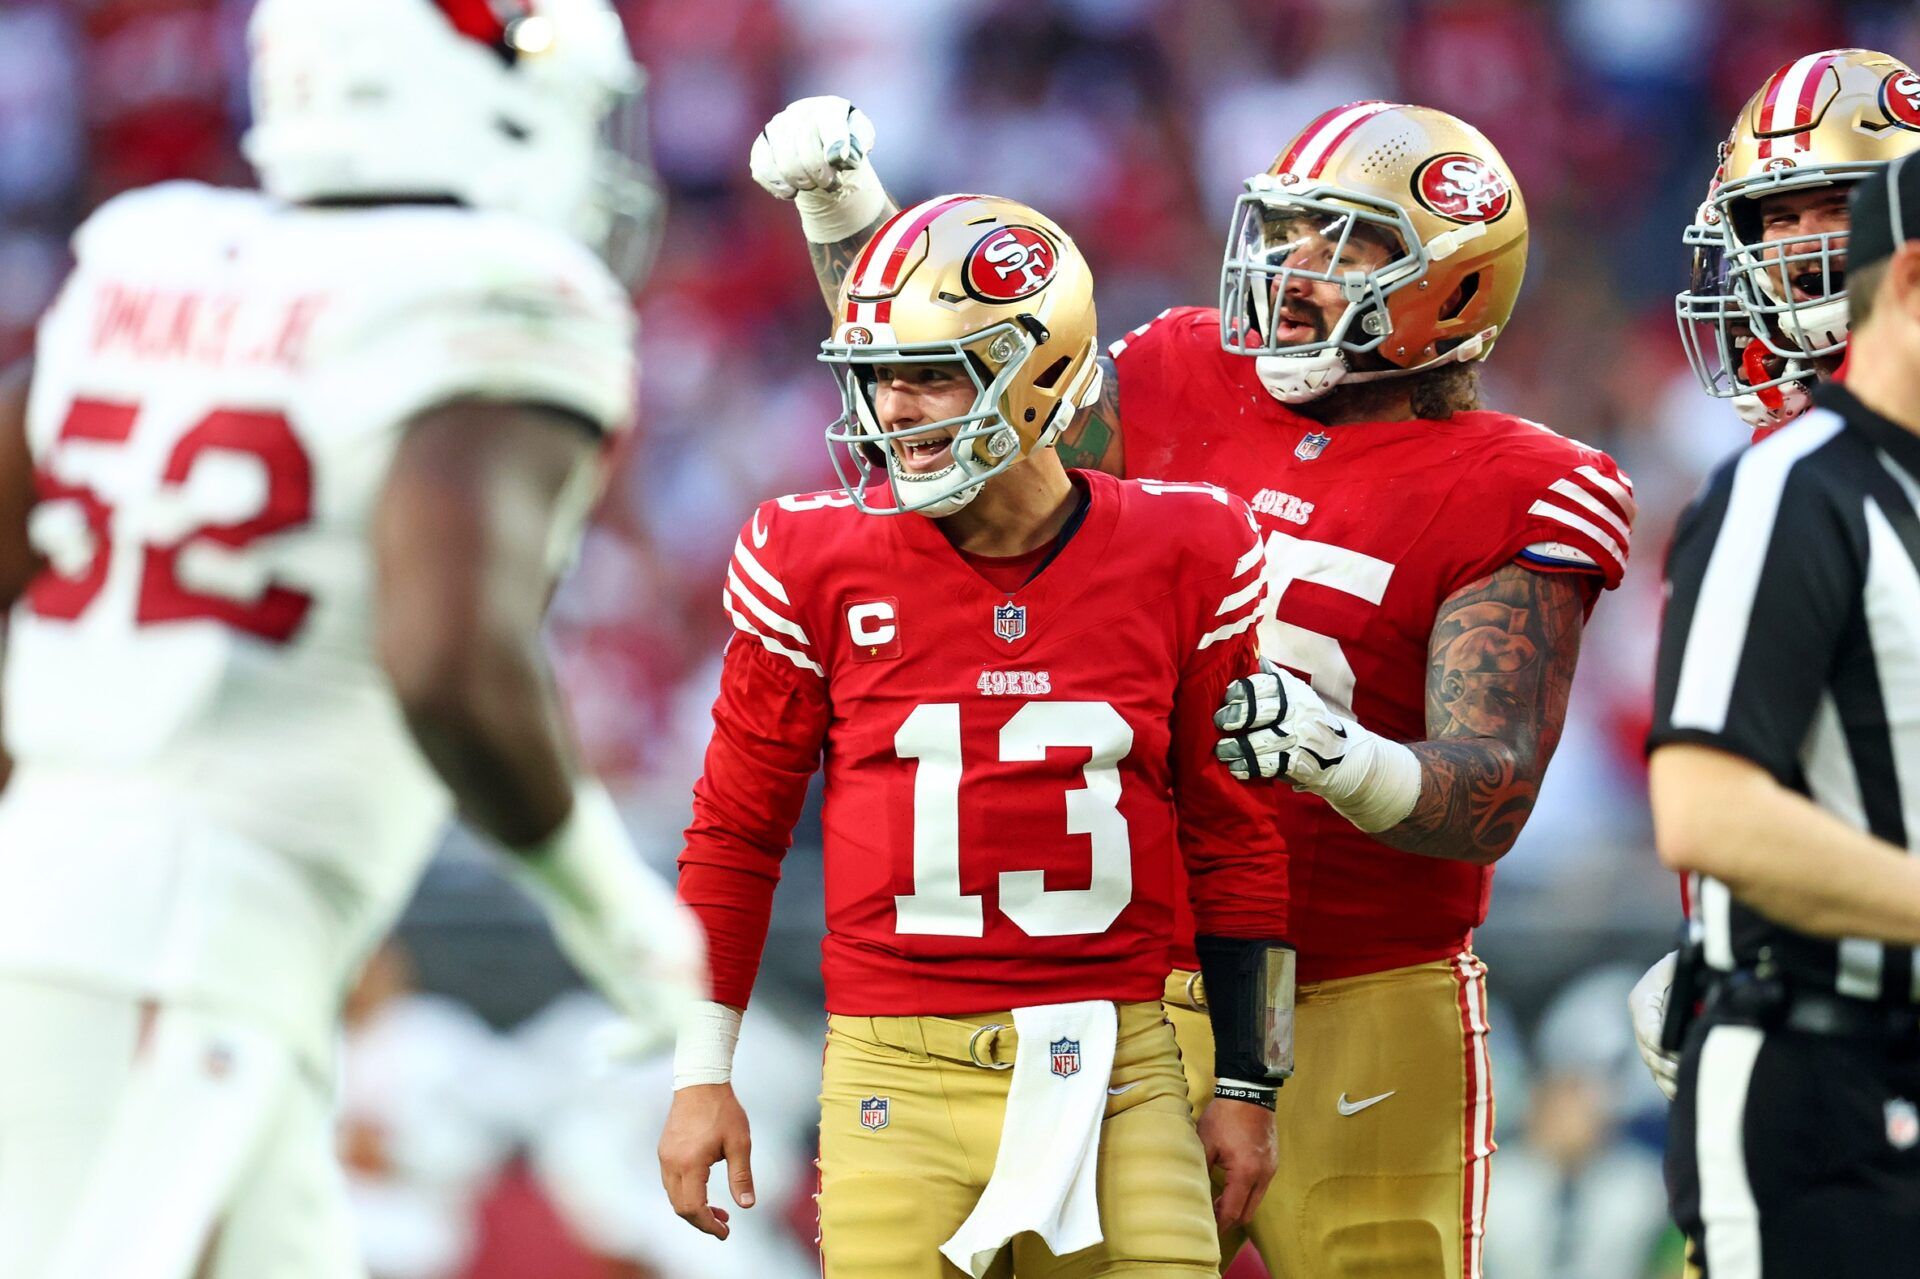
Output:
(1009, 263)
(1900, 95)
(1462, 188)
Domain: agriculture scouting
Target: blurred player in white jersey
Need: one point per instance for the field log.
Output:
(282, 500)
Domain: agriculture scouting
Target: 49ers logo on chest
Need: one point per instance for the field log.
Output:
(1009, 263)
(1461, 188)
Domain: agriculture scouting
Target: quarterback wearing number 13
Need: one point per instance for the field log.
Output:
(1010, 669)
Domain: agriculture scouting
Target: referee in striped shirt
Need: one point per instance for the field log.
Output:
(1785, 780)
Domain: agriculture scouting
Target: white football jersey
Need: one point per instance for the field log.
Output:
(216, 795)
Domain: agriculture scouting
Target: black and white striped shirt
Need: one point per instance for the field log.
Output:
(1792, 638)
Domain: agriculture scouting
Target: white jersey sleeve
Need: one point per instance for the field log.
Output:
(477, 307)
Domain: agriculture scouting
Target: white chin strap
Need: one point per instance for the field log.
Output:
(945, 476)
(1299, 379)
(1822, 323)
(1754, 410)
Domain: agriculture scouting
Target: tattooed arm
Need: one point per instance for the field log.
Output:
(1092, 441)
(831, 262)
(1499, 667)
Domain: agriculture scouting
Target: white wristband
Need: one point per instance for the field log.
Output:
(829, 216)
(616, 920)
(1378, 782)
(704, 1052)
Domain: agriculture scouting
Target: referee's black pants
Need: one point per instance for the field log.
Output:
(1796, 1156)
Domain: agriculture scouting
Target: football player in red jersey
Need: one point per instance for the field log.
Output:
(1431, 566)
(1009, 670)
(1764, 316)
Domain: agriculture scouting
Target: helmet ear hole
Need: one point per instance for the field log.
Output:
(1462, 294)
(1050, 375)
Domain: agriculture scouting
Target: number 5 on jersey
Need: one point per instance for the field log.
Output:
(931, 735)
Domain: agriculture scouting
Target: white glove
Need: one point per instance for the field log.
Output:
(1279, 727)
(815, 153)
(1648, 1003)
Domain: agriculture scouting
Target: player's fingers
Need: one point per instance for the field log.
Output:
(740, 1170)
(1230, 1208)
(687, 1192)
(1235, 709)
(1270, 699)
(765, 170)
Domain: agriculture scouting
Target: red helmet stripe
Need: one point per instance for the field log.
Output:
(1292, 152)
(889, 246)
(1771, 95)
(1809, 91)
(477, 20)
(1361, 114)
(866, 254)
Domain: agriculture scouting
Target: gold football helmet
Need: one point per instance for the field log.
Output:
(1825, 119)
(1415, 184)
(977, 280)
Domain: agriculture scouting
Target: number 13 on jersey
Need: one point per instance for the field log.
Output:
(936, 906)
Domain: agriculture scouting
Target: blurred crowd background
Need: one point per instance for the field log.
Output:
(487, 1132)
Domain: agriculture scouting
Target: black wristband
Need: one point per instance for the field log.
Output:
(1249, 985)
(1267, 1097)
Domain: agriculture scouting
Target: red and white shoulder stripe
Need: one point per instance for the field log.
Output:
(759, 602)
(1245, 598)
(1585, 518)
(1787, 104)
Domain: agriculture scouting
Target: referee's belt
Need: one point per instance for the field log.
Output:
(1776, 1004)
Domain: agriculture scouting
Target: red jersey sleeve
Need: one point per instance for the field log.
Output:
(1230, 841)
(769, 723)
(1578, 516)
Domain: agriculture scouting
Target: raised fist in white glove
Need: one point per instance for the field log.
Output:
(1648, 1003)
(1277, 726)
(814, 152)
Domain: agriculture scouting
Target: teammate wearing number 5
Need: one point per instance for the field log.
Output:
(1432, 565)
(1010, 669)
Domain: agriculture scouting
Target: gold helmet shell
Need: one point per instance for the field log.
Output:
(1425, 185)
(1828, 118)
(977, 280)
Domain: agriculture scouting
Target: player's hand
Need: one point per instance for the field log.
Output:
(1238, 1137)
(706, 1125)
(1648, 1003)
(814, 152)
(1277, 726)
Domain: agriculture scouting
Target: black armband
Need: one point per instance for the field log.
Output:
(1249, 1000)
(1234, 1090)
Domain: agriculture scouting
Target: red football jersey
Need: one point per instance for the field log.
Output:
(1369, 527)
(1013, 782)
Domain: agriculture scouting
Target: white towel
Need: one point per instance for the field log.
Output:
(1043, 1175)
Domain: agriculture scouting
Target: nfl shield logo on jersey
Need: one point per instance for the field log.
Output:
(1312, 446)
(1066, 1057)
(1903, 1124)
(873, 1114)
(1010, 621)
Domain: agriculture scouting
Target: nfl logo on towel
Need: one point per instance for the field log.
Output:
(873, 1114)
(1312, 446)
(1010, 621)
(1066, 1057)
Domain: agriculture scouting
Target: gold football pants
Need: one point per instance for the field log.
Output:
(910, 1118)
(1385, 1128)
